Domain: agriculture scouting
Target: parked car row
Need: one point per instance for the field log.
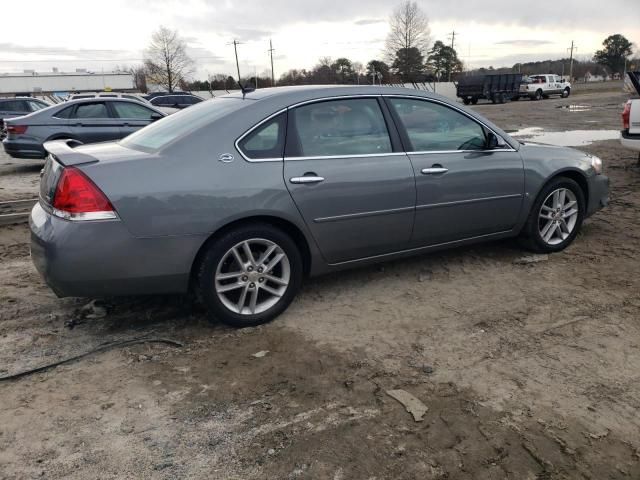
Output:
(85, 120)
(99, 122)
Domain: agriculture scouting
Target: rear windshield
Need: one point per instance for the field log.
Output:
(162, 132)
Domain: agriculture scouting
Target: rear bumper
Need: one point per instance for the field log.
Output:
(630, 141)
(18, 149)
(101, 258)
(598, 193)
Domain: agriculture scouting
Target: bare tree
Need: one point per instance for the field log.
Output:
(166, 59)
(139, 77)
(408, 30)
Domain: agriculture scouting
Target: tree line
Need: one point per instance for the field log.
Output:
(408, 56)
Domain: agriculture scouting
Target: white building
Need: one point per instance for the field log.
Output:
(63, 82)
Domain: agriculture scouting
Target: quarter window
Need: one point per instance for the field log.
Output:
(339, 128)
(434, 127)
(132, 110)
(64, 113)
(266, 141)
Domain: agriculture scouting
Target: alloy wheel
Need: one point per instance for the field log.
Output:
(558, 216)
(252, 276)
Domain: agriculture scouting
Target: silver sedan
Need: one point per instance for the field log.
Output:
(240, 197)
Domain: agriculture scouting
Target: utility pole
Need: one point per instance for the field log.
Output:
(453, 42)
(235, 48)
(273, 76)
(571, 61)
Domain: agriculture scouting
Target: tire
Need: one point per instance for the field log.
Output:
(516, 98)
(566, 92)
(538, 95)
(466, 101)
(474, 101)
(533, 233)
(220, 259)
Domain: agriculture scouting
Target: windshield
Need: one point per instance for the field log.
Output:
(162, 132)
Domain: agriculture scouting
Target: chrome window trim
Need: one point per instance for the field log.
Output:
(459, 110)
(334, 157)
(258, 160)
(425, 152)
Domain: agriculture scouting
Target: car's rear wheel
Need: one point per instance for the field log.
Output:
(250, 275)
(556, 216)
(538, 95)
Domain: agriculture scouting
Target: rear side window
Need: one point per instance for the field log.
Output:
(14, 106)
(132, 110)
(161, 133)
(91, 110)
(266, 141)
(434, 127)
(64, 113)
(338, 128)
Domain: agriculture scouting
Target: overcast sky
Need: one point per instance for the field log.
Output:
(98, 35)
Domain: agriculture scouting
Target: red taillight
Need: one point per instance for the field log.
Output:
(76, 194)
(626, 114)
(17, 129)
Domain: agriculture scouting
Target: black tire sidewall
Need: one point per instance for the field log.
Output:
(532, 232)
(219, 247)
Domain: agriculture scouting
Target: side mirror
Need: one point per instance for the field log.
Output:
(156, 116)
(495, 141)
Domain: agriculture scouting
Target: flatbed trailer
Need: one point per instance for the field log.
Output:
(497, 88)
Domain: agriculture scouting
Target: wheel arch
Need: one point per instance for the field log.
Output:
(574, 174)
(286, 226)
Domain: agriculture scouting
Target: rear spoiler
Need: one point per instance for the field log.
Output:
(63, 151)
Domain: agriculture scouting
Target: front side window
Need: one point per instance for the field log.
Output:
(339, 128)
(91, 110)
(266, 141)
(132, 110)
(433, 127)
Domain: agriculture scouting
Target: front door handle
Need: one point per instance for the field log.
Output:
(434, 170)
(306, 179)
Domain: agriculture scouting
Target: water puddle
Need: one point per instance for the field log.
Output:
(570, 138)
(575, 108)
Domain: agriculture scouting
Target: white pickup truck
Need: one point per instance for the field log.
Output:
(630, 133)
(537, 87)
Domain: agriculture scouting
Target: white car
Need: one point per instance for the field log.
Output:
(541, 86)
(128, 96)
(630, 133)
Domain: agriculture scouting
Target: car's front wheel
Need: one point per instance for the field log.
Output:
(556, 216)
(566, 92)
(249, 275)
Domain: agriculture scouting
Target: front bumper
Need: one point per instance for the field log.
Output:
(18, 149)
(101, 258)
(598, 193)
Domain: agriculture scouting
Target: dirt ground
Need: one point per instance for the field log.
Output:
(528, 371)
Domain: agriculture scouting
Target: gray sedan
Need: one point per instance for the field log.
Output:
(86, 120)
(238, 199)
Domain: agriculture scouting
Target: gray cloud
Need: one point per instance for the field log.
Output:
(369, 21)
(524, 43)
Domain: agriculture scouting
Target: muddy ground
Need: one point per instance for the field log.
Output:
(528, 371)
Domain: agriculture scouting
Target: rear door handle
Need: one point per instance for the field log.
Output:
(306, 179)
(434, 170)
